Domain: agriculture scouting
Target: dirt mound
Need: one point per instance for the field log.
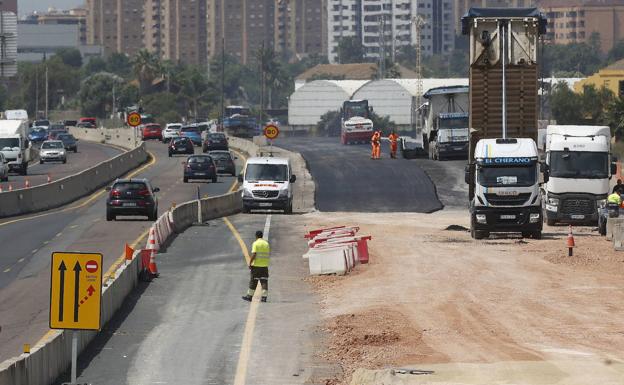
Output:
(456, 228)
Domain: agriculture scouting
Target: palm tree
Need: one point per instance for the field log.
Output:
(274, 76)
(146, 67)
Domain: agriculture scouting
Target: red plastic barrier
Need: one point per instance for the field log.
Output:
(314, 233)
(362, 247)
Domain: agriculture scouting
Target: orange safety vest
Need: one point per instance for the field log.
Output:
(375, 138)
(393, 138)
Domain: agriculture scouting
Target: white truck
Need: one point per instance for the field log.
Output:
(507, 195)
(579, 167)
(445, 128)
(14, 144)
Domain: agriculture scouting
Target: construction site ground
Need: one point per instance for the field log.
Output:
(434, 306)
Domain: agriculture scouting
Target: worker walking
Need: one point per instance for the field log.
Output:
(615, 198)
(393, 137)
(259, 267)
(376, 145)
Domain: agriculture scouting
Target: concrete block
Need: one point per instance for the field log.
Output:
(611, 224)
(618, 236)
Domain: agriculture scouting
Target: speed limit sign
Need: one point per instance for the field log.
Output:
(134, 119)
(271, 132)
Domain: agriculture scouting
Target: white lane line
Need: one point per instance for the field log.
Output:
(20, 260)
(245, 352)
(34, 251)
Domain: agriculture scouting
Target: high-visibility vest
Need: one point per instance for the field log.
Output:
(393, 138)
(614, 198)
(263, 253)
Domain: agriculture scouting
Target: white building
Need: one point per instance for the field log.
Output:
(386, 25)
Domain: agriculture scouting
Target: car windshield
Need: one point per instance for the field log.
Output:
(520, 176)
(216, 136)
(180, 141)
(220, 155)
(190, 129)
(174, 127)
(200, 159)
(57, 127)
(66, 137)
(9, 144)
(125, 186)
(42, 123)
(272, 172)
(579, 164)
(52, 145)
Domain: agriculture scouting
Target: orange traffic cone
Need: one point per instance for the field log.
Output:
(129, 251)
(49, 179)
(570, 242)
(152, 265)
(1, 189)
(10, 187)
(151, 241)
(26, 184)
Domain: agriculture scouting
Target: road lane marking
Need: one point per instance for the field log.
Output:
(20, 260)
(245, 352)
(34, 251)
(91, 198)
(58, 235)
(7, 270)
(46, 242)
(73, 226)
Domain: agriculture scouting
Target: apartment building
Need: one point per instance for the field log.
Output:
(116, 25)
(75, 16)
(301, 26)
(8, 6)
(384, 26)
(573, 21)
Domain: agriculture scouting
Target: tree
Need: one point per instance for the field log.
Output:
(350, 50)
(119, 64)
(615, 117)
(275, 76)
(146, 67)
(616, 53)
(566, 106)
(70, 57)
(595, 103)
(96, 94)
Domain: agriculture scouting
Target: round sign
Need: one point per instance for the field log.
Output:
(134, 119)
(91, 266)
(271, 131)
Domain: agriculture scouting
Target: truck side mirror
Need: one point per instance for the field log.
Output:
(240, 178)
(469, 171)
(545, 170)
(293, 178)
(613, 168)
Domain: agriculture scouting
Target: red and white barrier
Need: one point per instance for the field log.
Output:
(336, 250)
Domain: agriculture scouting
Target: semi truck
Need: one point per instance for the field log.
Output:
(445, 128)
(579, 166)
(356, 125)
(14, 144)
(503, 161)
(239, 122)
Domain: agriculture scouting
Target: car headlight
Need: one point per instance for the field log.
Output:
(553, 201)
(283, 193)
(247, 194)
(602, 203)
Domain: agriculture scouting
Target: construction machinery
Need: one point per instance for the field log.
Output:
(356, 125)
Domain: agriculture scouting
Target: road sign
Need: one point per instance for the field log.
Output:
(134, 119)
(75, 291)
(271, 131)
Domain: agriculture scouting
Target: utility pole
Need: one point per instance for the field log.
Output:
(222, 80)
(114, 101)
(36, 91)
(262, 84)
(46, 87)
(418, 23)
(382, 47)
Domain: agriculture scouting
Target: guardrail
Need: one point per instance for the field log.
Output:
(121, 137)
(63, 191)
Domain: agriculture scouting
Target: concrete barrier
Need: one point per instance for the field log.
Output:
(121, 137)
(63, 191)
(618, 234)
(611, 225)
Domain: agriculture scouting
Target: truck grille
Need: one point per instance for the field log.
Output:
(265, 194)
(512, 200)
(578, 206)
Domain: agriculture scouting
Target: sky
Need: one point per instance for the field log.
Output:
(25, 7)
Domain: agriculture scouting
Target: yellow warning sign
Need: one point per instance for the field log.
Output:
(75, 291)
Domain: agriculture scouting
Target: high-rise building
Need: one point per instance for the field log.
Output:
(387, 25)
(9, 6)
(75, 16)
(302, 26)
(574, 21)
(117, 25)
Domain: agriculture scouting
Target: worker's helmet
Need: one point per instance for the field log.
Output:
(259, 234)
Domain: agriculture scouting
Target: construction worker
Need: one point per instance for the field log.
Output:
(393, 137)
(619, 187)
(614, 198)
(259, 267)
(376, 145)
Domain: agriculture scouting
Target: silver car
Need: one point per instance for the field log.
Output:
(52, 151)
(4, 168)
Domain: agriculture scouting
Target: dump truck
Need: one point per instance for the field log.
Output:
(503, 163)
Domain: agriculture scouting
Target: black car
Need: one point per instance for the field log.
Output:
(181, 146)
(200, 167)
(215, 141)
(132, 197)
(224, 161)
(85, 125)
(69, 142)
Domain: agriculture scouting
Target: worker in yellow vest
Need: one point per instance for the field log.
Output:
(615, 198)
(259, 267)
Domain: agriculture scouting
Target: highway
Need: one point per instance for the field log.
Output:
(29, 241)
(88, 155)
(348, 180)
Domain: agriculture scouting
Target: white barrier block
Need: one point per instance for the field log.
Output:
(328, 261)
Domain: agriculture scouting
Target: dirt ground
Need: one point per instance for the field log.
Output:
(504, 310)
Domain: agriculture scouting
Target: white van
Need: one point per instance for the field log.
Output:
(267, 184)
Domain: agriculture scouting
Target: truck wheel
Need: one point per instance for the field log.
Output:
(550, 222)
(246, 209)
(536, 235)
(479, 234)
(110, 216)
(24, 170)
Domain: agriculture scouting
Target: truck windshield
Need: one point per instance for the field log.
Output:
(453, 123)
(579, 164)
(519, 176)
(453, 136)
(272, 172)
(9, 144)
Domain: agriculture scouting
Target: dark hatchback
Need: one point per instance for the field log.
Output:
(181, 146)
(200, 167)
(132, 197)
(224, 161)
(215, 141)
(69, 142)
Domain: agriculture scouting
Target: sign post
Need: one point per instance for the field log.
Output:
(75, 295)
(271, 132)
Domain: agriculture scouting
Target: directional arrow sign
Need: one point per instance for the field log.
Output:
(75, 299)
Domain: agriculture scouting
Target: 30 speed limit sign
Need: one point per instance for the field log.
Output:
(134, 119)
(271, 132)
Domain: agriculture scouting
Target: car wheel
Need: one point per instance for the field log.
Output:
(185, 179)
(170, 154)
(41, 161)
(75, 150)
(536, 235)
(153, 215)
(214, 179)
(64, 160)
(110, 216)
(480, 234)
(234, 173)
(288, 209)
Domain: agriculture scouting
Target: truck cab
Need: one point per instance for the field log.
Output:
(14, 144)
(356, 125)
(450, 138)
(507, 199)
(579, 166)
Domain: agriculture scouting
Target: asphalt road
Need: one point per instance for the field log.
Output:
(88, 155)
(28, 242)
(190, 325)
(348, 180)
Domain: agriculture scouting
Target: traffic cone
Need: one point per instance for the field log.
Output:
(570, 242)
(10, 187)
(152, 265)
(151, 240)
(49, 179)
(26, 184)
(1, 189)
(129, 252)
